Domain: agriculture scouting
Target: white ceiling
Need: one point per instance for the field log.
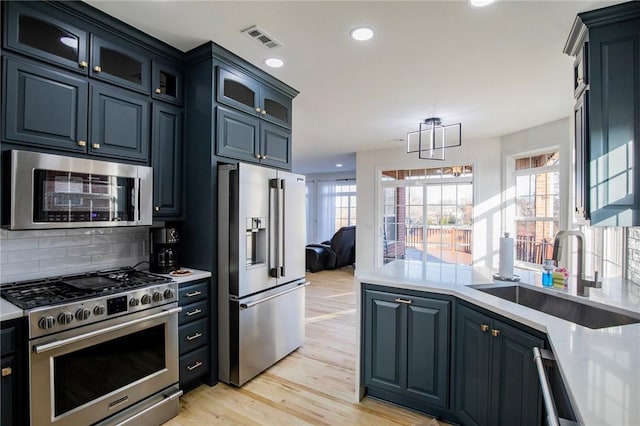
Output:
(496, 70)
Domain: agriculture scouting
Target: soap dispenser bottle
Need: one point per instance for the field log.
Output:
(547, 274)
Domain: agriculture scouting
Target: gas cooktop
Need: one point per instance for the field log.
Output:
(72, 288)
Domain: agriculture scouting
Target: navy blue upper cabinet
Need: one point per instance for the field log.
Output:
(246, 94)
(237, 135)
(120, 123)
(39, 34)
(119, 63)
(44, 106)
(275, 145)
(166, 82)
(606, 47)
(166, 159)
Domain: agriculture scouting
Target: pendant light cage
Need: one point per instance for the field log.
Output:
(432, 138)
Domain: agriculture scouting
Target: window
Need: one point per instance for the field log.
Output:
(427, 214)
(537, 206)
(345, 210)
(331, 205)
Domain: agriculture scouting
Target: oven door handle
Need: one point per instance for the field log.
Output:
(59, 343)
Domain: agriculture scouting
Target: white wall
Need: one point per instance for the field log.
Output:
(483, 154)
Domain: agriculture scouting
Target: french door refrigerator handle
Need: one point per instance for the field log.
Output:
(274, 269)
(282, 229)
(273, 296)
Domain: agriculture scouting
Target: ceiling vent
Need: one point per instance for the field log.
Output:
(262, 37)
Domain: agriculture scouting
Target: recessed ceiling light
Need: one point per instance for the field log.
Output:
(480, 3)
(274, 62)
(361, 33)
(339, 165)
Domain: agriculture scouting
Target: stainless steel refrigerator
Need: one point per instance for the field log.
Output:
(261, 267)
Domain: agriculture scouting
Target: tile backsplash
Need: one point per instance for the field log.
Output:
(633, 255)
(44, 253)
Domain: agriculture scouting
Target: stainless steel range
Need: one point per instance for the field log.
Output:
(103, 347)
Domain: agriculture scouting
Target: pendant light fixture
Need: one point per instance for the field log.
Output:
(432, 138)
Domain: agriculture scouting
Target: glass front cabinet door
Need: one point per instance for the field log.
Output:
(39, 35)
(119, 64)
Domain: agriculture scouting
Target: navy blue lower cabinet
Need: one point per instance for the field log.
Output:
(496, 378)
(407, 349)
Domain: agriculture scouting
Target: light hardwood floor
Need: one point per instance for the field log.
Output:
(315, 385)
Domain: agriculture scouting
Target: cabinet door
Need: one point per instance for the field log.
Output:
(38, 34)
(44, 106)
(518, 400)
(120, 64)
(166, 159)
(120, 123)
(276, 107)
(238, 91)
(385, 339)
(237, 135)
(472, 369)
(166, 83)
(428, 350)
(275, 145)
(8, 416)
(614, 123)
(581, 124)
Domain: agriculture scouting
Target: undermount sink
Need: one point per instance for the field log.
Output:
(549, 303)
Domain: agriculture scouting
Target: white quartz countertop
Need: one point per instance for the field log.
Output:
(9, 311)
(600, 368)
(195, 275)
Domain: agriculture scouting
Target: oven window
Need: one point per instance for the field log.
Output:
(87, 374)
(77, 197)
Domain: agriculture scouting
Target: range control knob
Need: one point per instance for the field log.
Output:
(169, 294)
(98, 310)
(47, 321)
(145, 299)
(157, 296)
(65, 317)
(135, 302)
(83, 314)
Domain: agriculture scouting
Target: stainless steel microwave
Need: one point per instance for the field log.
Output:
(54, 191)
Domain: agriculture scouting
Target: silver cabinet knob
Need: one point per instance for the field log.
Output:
(156, 208)
(258, 109)
(82, 143)
(264, 112)
(158, 91)
(83, 64)
(96, 146)
(97, 68)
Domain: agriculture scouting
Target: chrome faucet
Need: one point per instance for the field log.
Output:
(582, 283)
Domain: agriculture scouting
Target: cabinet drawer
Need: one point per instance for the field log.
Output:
(194, 312)
(190, 293)
(8, 340)
(193, 335)
(193, 364)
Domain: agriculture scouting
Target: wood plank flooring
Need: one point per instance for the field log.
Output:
(315, 385)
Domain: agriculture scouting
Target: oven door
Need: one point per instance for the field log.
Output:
(84, 375)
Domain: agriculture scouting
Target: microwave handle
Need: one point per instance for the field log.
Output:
(135, 199)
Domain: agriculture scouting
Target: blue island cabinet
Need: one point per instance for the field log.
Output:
(407, 349)
(496, 378)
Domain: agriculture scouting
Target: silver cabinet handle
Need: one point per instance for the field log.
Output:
(59, 343)
(547, 396)
(195, 336)
(194, 293)
(194, 312)
(405, 301)
(194, 366)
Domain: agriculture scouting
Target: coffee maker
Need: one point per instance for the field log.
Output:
(163, 257)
